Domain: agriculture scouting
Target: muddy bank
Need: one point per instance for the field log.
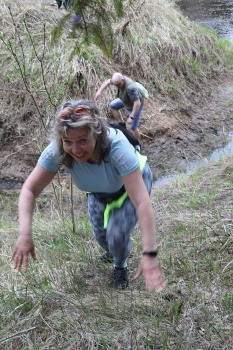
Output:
(169, 140)
(175, 140)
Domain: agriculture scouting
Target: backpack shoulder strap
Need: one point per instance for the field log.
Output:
(131, 138)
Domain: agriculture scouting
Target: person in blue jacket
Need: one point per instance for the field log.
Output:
(76, 19)
(118, 180)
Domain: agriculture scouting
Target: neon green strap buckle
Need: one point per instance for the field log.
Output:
(118, 202)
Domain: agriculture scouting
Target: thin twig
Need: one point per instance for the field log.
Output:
(144, 127)
(196, 153)
(151, 138)
(22, 146)
(72, 204)
(17, 334)
(230, 262)
(46, 322)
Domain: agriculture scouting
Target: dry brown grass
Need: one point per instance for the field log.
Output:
(155, 44)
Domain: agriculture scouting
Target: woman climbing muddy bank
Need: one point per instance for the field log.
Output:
(96, 158)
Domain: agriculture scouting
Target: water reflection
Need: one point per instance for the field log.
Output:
(191, 167)
(216, 15)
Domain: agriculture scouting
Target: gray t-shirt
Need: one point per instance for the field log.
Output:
(129, 93)
(104, 178)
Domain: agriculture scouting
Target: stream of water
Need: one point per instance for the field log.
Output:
(216, 15)
(192, 167)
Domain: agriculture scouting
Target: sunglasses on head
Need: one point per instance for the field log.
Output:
(68, 112)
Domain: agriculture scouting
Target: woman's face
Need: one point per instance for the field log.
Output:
(79, 144)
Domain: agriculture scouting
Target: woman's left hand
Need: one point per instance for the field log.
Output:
(149, 267)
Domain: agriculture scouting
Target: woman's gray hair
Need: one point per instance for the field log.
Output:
(81, 114)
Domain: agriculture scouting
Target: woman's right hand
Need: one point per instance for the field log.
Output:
(23, 249)
(97, 95)
(32, 187)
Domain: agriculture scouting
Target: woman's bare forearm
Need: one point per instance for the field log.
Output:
(147, 225)
(26, 208)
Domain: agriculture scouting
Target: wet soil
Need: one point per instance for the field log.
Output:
(170, 140)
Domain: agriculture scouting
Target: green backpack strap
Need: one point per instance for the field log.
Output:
(117, 203)
(142, 90)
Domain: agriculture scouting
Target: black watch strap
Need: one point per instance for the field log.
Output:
(152, 253)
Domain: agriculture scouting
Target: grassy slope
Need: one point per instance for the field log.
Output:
(65, 300)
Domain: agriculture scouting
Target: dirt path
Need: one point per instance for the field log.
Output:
(169, 141)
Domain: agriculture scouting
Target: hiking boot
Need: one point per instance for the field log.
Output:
(120, 277)
(106, 258)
